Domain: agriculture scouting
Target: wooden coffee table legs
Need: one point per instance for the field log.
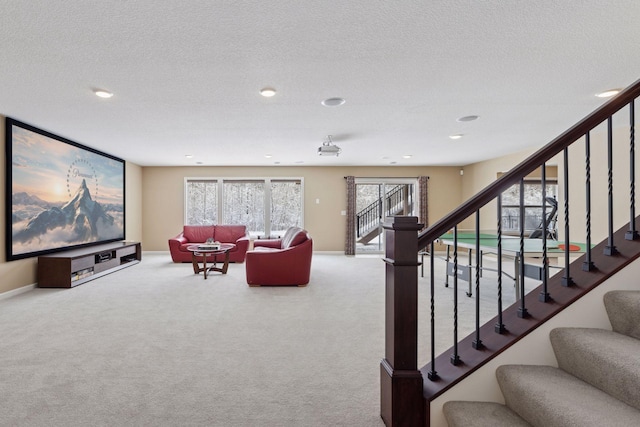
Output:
(196, 266)
(225, 265)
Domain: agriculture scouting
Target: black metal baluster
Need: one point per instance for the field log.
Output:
(499, 327)
(632, 233)
(477, 343)
(544, 293)
(566, 280)
(455, 358)
(588, 265)
(432, 374)
(446, 276)
(610, 249)
(522, 310)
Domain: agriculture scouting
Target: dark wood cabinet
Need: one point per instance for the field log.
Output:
(77, 266)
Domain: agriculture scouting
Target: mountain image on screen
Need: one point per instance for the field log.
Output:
(82, 219)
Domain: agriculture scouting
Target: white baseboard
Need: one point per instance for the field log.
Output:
(18, 291)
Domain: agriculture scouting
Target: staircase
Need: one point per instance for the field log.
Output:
(595, 383)
(369, 219)
(598, 370)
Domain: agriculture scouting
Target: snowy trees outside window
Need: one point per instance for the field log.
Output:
(244, 204)
(201, 200)
(286, 205)
(266, 206)
(532, 206)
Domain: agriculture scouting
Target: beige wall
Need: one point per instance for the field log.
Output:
(133, 202)
(16, 274)
(154, 203)
(163, 195)
(599, 186)
(478, 175)
(155, 209)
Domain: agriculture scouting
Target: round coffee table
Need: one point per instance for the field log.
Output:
(196, 253)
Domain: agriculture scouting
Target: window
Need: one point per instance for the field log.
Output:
(532, 207)
(267, 206)
(244, 204)
(201, 200)
(286, 205)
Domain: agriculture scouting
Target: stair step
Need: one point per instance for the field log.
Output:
(481, 414)
(549, 397)
(623, 308)
(605, 359)
(369, 235)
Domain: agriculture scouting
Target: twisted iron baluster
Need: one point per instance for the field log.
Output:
(566, 280)
(455, 358)
(544, 293)
(588, 265)
(610, 249)
(632, 233)
(477, 343)
(432, 374)
(499, 327)
(522, 310)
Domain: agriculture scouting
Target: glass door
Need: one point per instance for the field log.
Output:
(375, 201)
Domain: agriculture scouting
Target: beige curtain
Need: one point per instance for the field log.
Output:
(423, 216)
(350, 239)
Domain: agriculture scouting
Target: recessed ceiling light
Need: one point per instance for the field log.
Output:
(267, 92)
(103, 93)
(276, 163)
(608, 93)
(268, 156)
(392, 163)
(299, 162)
(385, 157)
(467, 118)
(198, 163)
(407, 156)
(333, 102)
(188, 156)
(456, 136)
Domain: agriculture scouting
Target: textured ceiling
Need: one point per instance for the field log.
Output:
(186, 76)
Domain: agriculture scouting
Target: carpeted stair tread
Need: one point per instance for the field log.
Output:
(549, 397)
(481, 414)
(623, 309)
(605, 359)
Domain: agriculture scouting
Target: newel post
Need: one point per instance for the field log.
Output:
(401, 393)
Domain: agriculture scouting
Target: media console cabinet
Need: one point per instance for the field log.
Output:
(77, 266)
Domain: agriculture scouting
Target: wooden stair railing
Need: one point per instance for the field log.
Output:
(407, 390)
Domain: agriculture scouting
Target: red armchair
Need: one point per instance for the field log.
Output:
(285, 261)
(194, 234)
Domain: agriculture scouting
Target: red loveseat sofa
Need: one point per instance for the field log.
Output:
(194, 234)
(285, 261)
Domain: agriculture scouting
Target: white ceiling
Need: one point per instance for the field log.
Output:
(186, 75)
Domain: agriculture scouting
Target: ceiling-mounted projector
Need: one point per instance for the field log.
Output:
(328, 148)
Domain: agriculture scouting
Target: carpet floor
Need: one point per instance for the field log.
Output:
(156, 345)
